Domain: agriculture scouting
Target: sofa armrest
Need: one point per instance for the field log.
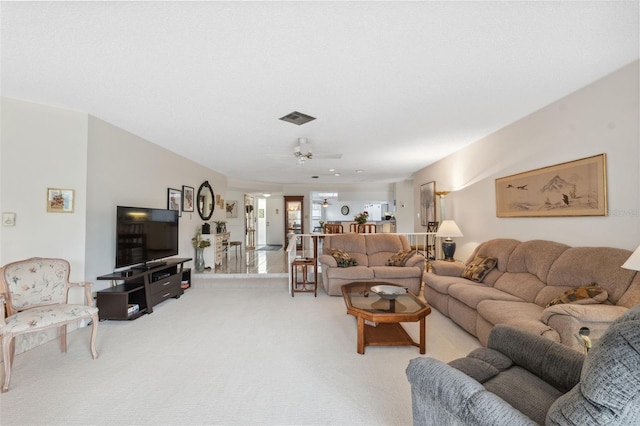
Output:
(328, 260)
(443, 395)
(551, 361)
(584, 313)
(451, 269)
(416, 260)
(567, 319)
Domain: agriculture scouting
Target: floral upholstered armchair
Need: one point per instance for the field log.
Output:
(35, 292)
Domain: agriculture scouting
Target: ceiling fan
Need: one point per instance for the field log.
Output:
(302, 152)
(324, 204)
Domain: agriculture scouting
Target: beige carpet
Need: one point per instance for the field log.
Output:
(236, 352)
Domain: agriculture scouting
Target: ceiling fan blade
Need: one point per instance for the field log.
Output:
(327, 156)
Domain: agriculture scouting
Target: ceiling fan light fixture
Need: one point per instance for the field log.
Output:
(302, 151)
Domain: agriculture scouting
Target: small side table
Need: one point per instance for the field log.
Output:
(301, 286)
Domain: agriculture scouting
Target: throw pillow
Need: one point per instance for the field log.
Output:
(479, 268)
(584, 295)
(400, 258)
(343, 259)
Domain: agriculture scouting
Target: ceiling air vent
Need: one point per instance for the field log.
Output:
(297, 118)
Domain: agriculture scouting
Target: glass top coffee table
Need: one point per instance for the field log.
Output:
(386, 314)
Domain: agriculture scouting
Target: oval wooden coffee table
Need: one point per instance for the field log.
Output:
(387, 315)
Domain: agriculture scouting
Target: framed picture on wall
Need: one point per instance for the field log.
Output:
(574, 188)
(231, 208)
(187, 198)
(174, 199)
(60, 200)
(427, 203)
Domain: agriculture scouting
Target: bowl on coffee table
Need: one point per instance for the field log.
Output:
(389, 292)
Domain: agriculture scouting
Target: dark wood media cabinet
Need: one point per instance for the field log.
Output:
(143, 287)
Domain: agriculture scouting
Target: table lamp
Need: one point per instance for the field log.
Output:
(447, 230)
(633, 262)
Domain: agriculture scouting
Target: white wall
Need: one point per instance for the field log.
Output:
(124, 169)
(600, 118)
(43, 147)
(405, 217)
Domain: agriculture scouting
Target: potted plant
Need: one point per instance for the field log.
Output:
(221, 226)
(361, 218)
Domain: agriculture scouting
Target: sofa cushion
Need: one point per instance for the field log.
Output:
(493, 357)
(535, 257)
(400, 258)
(441, 283)
(524, 391)
(525, 316)
(389, 272)
(479, 268)
(579, 265)
(380, 247)
(520, 284)
(471, 294)
(343, 259)
(482, 364)
(354, 244)
(354, 273)
(583, 295)
(501, 249)
(475, 368)
(445, 268)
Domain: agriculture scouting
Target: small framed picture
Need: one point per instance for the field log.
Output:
(174, 199)
(231, 208)
(187, 198)
(60, 200)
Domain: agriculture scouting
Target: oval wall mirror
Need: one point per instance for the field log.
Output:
(205, 201)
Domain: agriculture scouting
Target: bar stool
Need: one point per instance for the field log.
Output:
(333, 228)
(236, 244)
(366, 228)
(301, 286)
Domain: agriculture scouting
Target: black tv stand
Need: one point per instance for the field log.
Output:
(144, 285)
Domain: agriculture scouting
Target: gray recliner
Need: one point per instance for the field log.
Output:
(524, 379)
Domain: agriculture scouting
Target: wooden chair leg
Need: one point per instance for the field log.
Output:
(8, 348)
(94, 331)
(63, 338)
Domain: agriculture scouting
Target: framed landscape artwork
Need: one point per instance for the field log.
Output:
(427, 203)
(574, 188)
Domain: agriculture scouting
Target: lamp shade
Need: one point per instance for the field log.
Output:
(633, 262)
(448, 228)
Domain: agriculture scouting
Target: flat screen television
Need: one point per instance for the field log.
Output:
(144, 235)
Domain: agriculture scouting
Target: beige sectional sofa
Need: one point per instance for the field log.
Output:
(371, 252)
(528, 276)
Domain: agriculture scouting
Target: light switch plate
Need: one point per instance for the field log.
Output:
(8, 219)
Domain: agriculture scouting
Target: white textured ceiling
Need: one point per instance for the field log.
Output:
(395, 86)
